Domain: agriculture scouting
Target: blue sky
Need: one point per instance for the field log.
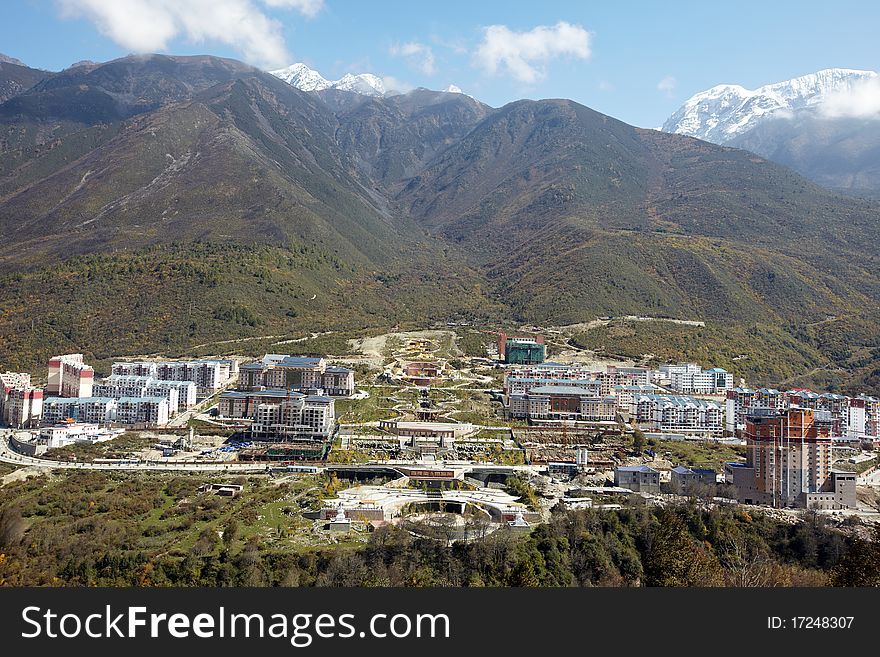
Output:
(637, 61)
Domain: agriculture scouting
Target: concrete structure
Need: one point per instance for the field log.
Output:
(21, 405)
(788, 461)
(524, 350)
(426, 435)
(691, 379)
(153, 411)
(69, 376)
(558, 402)
(741, 402)
(294, 418)
(298, 373)
(95, 410)
(181, 395)
(687, 481)
(639, 479)
(76, 432)
(678, 414)
(208, 375)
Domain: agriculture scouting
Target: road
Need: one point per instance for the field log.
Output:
(7, 455)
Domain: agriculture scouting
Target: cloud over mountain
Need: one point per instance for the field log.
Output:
(150, 25)
(524, 54)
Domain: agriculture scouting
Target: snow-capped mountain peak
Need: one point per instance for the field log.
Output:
(302, 77)
(306, 79)
(725, 111)
(366, 84)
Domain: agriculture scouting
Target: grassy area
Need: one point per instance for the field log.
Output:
(856, 467)
(697, 454)
(84, 513)
(124, 446)
(378, 406)
(6, 468)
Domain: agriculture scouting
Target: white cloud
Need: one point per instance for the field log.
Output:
(522, 54)
(667, 85)
(396, 86)
(420, 55)
(149, 25)
(861, 101)
(305, 7)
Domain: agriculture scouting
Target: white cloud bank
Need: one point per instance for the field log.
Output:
(149, 25)
(862, 101)
(418, 54)
(523, 54)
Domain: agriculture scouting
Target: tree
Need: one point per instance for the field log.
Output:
(674, 558)
(639, 441)
(861, 565)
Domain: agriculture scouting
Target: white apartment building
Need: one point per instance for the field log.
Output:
(691, 379)
(69, 376)
(308, 417)
(679, 414)
(95, 410)
(208, 375)
(181, 395)
(143, 410)
(21, 405)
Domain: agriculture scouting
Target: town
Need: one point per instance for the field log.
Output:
(418, 427)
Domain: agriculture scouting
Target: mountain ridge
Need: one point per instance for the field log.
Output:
(418, 207)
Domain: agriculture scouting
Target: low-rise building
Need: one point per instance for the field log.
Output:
(638, 478)
(689, 481)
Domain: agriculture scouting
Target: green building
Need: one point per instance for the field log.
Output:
(520, 351)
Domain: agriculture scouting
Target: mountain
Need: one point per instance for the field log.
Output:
(305, 79)
(6, 59)
(155, 203)
(16, 78)
(792, 123)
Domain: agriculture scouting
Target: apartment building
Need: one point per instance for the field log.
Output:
(306, 417)
(556, 402)
(208, 375)
(788, 461)
(298, 373)
(523, 350)
(691, 379)
(622, 376)
(678, 414)
(21, 405)
(92, 410)
(741, 402)
(517, 385)
(153, 411)
(69, 376)
(181, 395)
